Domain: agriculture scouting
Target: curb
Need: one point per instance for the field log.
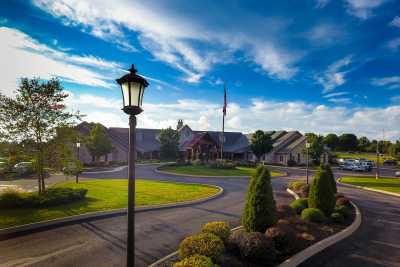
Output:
(157, 170)
(175, 253)
(367, 188)
(324, 243)
(32, 227)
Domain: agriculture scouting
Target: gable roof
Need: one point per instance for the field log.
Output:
(293, 145)
(146, 139)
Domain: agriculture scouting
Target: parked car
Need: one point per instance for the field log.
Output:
(367, 165)
(390, 162)
(23, 167)
(398, 174)
(359, 167)
(346, 166)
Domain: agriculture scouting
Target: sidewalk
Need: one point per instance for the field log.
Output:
(30, 184)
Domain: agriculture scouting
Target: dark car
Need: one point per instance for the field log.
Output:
(390, 162)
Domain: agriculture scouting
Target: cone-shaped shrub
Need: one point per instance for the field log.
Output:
(260, 210)
(321, 194)
(331, 177)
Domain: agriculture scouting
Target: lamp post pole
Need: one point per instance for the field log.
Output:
(78, 145)
(307, 148)
(131, 192)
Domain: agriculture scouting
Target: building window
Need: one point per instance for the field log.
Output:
(298, 158)
(280, 158)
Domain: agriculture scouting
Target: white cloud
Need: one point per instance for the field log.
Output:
(392, 82)
(394, 44)
(363, 9)
(334, 76)
(340, 100)
(335, 94)
(324, 34)
(171, 37)
(22, 56)
(321, 3)
(395, 22)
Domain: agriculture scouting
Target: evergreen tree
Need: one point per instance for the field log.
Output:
(321, 194)
(260, 210)
(331, 177)
(169, 140)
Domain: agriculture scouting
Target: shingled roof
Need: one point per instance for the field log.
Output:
(146, 139)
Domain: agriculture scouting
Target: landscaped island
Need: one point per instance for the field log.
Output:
(385, 184)
(204, 170)
(106, 195)
(271, 233)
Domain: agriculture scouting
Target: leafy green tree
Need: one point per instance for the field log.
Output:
(321, 195)
(396, 150)
(363, 143)
(260, 209)
(332, 141)
(98, 142)
(261, 144)
(316, 147)
(169, 144)
(33, 115)
(348, 142)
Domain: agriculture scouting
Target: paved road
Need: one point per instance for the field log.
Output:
(102, 242)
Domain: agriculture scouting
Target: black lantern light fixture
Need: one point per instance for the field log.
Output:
(132, 88)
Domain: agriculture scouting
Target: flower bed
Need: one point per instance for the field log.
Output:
(271, 233)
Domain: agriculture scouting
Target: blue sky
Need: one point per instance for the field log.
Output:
(322, 66)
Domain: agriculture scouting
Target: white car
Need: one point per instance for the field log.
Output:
(23, 166)
(397, 174)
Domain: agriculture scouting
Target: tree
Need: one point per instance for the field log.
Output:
(260, 210)
(363, 143)
(34, 115)
(348, 142)
(61, 148)
(331, 177)
(321, 194)
(396, 150)
(98, 142)
(316, 147)
(331, 141)
(261, 144)
(169, 144)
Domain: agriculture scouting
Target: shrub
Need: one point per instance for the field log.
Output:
(296, 185)
(220, 229)
(299, 205)
(205, 244)
(51, 197)
(337, 217)
(331, 177)
(342, 201)
(284, 211)
(260, 211)
(303, 191)
(258, 248)
(197, 162)
(345, 211)
(222, 164)
(313, 215)
(321, 194)
(195, 260)
(232, 244)
(284, 238)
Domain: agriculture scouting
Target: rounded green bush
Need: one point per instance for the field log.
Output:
(322, 195)
(195, 260)
(257, 248)
(205, 244)
(313, 215)
(337, 217)
(344, 210)
(299, 205)
(260, 211)
(220, 229)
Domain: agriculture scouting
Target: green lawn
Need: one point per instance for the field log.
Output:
(369, 156)
(207, 171)
(385, 184)
(108, 194)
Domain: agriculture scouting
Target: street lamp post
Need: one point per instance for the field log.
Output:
(78, 145)
(132, 88)
(307, 148)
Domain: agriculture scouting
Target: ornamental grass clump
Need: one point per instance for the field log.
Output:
(205, 244)
(322, 195)
(260, 210)
(220, 229)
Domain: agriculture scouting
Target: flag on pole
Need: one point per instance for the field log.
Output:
(225, 103)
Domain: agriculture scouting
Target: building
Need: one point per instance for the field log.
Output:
(206, 145)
